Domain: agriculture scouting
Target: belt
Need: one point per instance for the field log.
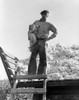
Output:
(41, 39)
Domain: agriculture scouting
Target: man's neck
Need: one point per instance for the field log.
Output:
(42, 19)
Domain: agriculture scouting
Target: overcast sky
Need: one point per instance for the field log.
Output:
(17, 15)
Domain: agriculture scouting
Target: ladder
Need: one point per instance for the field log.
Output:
(15, 78)
(32, 90)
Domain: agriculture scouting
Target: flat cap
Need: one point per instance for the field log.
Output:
(44, 12)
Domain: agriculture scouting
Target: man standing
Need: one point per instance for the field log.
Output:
(42, 36)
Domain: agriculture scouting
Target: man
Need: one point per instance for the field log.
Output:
(39, 46)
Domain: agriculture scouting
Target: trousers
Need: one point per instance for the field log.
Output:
(38, 48)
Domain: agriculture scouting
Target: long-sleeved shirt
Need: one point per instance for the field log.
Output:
(44, 28)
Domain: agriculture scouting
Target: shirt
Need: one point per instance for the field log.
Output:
(44, 28)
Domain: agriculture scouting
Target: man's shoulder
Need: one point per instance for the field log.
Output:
(36, 21)
(49, 23)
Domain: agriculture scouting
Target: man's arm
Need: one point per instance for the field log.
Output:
(54, 30)
(52, 36)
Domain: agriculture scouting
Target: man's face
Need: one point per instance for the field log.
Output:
(45, 15)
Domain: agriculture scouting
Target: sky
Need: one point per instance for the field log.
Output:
(17, 15)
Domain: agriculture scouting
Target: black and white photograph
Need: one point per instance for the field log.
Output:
(39, 49)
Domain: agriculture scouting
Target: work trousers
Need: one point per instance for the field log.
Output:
(38, 48)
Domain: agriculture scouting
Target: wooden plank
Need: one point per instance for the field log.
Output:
(6, 66)
(67, 82)
(63, 90)
(30, 76)
(45, 87)
(29, 90)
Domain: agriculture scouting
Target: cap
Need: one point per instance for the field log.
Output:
(44, 12)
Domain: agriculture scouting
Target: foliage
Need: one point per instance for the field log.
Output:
(63, 62)
(4, 89)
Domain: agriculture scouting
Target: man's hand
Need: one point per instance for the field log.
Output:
(52, 36)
